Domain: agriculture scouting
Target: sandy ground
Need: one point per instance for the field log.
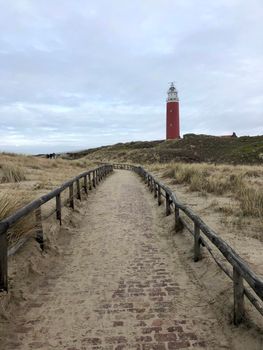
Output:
(245, 237)
(117, 278)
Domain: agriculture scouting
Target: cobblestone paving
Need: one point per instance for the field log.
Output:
(118, 285)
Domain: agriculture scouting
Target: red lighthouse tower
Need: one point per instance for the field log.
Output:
(172, 114)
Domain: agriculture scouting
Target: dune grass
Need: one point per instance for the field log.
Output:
(25, 178)
(244, 183)
(9, 203)
(12, 173)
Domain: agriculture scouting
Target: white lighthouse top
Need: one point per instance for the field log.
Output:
(172, 94)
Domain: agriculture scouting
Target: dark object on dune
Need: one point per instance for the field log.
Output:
(51, 156)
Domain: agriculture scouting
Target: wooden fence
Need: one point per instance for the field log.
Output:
(90, 180)
(240, 272)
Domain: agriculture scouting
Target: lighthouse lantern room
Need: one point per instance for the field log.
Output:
(172, 114)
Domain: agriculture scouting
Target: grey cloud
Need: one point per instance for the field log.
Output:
(80, 74)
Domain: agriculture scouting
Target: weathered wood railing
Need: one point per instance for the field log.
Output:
(240, 270)
(90, 180)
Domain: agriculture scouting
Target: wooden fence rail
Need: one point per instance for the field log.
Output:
(94, 176)
(240, 270)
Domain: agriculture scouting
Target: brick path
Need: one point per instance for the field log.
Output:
(118, 285)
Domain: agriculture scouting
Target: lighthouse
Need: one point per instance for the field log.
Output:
(172, 114)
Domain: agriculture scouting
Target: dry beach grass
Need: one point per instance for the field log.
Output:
(118, 269)
(213, 192)
(25, 178)
(242, 183)
(228, 198)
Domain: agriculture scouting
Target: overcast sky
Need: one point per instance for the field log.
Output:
(83, 73)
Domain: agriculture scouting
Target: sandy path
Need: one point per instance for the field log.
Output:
(118, 284)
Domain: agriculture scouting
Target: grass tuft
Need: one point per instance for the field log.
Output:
(9, 203)
(251, 202)
(42, 175)
(244, 183)
(12, 173)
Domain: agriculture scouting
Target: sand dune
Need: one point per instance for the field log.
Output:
(115, 277)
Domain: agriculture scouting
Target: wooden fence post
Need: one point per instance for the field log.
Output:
(93, 179)
(178, 223)
(71, 196)
(58, 208)
(159, 195)
(78, 190)
(3, 262)
(85, 184)
(39, 228)
(151, 185)
(168, 209)
(154, 189)
(197, 243)
(239, 309)
(96, 177)
(90, 184)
